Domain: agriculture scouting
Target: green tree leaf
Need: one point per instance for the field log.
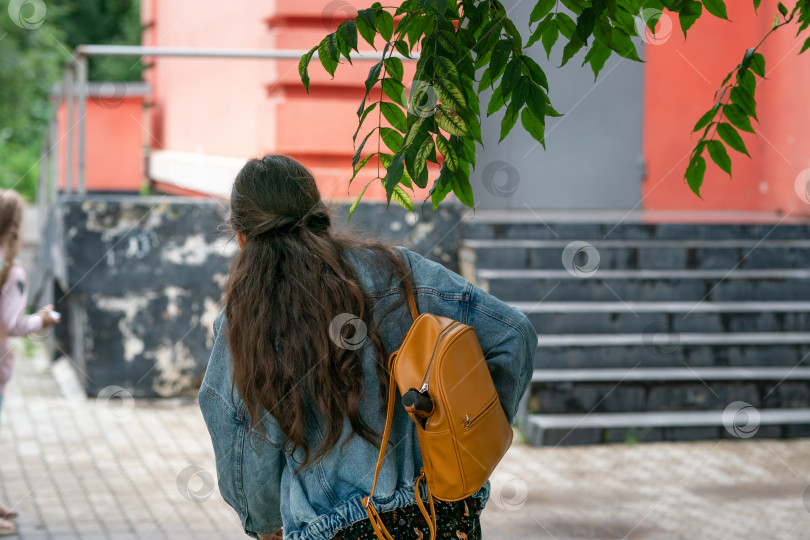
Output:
(496, 102)
(463, 190)
(356, 202)
(508, 121)
(348, 31)
(395, 91)
(385, 25)
(535, 71)
(391, 137)
(585, 24)
(393, 66)
(534, 126)
(690, 11)
(400, 196)
(500, 56)
(511, 77)
(737, 117)
(393, 113)
(449, 94)
(745, 101)
(705, 119)
(441, 187)
(328, 53)
(716, 8)
(549, 37)
(303, 67)
(758, 64)
(695, 172)
(450, 157)
(621, 43)
(731, 137)
(541, 9)
(565, 25)
(393, 174)
(450, 121)
(366, 24)
(427, 152)
(597, 56)
(719, 155)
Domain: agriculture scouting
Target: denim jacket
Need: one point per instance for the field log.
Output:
(259, 480)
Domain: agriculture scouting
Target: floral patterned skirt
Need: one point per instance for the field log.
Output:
(458, 520)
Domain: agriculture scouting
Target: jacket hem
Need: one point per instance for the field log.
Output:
(352, 511)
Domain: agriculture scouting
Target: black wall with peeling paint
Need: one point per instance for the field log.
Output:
(139, 281)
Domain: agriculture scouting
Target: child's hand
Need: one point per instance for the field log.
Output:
(47, 319)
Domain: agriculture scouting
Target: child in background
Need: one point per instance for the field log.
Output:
(13, 322)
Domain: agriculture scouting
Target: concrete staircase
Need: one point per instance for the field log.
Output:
(655, 331)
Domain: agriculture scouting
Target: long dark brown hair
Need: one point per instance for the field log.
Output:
(288, 287)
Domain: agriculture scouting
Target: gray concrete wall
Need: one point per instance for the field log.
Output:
(139, 281)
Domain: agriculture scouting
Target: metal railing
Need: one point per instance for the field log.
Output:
(74, 92)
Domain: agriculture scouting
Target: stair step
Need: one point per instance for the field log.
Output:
(637, 254)
(669, 374)
(694, 338)
(528, 273)
(539, 424)
(643, 317)
(534, 226)
(640, 285)
(660, 419)
(658, 353)
(508, 243)
(655, 307)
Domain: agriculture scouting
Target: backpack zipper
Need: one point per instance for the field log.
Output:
(470, 421)
(424, 388)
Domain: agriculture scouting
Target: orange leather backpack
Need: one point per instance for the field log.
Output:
(448, 392)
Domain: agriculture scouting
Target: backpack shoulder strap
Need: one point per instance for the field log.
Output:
(411, 300)
(408, 286)
(392, 389)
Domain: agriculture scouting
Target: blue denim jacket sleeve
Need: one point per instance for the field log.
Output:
(258, 500)
(507, 338)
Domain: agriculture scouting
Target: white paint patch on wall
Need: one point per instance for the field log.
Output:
(129, 305)
(211, 309)
(195, 251)
(172, 293)
(174, 366)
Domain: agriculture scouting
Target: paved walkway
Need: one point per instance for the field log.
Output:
(126, 469)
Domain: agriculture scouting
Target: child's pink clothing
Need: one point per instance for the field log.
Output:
(13, 322)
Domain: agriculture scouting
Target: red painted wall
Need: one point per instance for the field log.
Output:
(247, 108)
(115, 141)
(681, 77)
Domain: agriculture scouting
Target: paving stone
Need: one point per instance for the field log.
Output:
(122, 486)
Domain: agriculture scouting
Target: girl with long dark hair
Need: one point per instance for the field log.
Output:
(294, 393)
